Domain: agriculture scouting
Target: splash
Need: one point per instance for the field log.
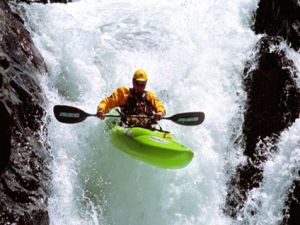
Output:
(194, 53)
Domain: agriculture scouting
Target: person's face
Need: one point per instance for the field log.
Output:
(139, 86)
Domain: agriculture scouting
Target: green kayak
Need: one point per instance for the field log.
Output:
(157, 148)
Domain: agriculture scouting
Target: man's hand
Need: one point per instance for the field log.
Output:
(101, 114)
(158, 116)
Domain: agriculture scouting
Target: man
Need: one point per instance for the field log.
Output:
(134, 101)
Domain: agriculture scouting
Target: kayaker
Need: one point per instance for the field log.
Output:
(134, 101)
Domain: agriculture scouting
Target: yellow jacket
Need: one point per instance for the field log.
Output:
(120, 96)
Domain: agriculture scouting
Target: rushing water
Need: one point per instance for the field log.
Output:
(194, 52)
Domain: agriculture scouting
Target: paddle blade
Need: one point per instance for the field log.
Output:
(188, 119)
(69, 114)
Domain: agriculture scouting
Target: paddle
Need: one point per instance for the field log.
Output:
(70, 114)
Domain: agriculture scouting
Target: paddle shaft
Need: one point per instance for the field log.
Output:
(130, 116)
(70, 114)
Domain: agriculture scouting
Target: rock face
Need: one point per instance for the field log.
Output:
(273, 103)
(278, 18)
(24, 161)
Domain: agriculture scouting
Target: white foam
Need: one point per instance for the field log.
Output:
(194, 52)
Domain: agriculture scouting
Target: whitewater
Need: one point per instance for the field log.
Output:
(194, 53)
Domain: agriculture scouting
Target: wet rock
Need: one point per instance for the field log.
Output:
(282, 18)
(272, 94)
(279, 18)
(292, 209)
(4, 63)
(5, 133)
(25, 158)
(273, 104)
(273, 101)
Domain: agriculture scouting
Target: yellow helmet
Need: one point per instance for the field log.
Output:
(140, 75)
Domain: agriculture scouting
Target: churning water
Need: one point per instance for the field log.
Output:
(194, 53)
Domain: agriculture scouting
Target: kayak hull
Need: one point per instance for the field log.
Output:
(157, 148)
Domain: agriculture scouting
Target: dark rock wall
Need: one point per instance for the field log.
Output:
(292, 210)
(279, 18)
(272, 105)
(5, 124)
(25, 160)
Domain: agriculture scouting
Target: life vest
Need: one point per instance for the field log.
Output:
(137, 104)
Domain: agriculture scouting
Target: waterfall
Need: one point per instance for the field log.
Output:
(194, 53)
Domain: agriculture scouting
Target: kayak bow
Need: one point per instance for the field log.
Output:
(157, 148)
